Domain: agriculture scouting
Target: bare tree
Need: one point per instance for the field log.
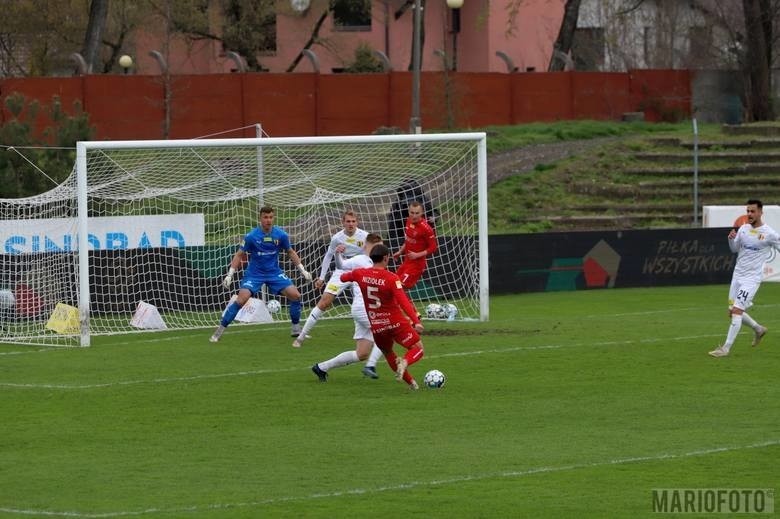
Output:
(98, 14)
(565, 39)
(312, 39)
(758, 37)
(122, 21)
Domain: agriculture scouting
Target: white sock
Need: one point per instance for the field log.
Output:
(311, 321)
(342, 359)
(736, 324)
(746, 319)
(374, 357)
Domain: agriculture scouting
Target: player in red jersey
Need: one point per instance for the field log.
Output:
(391, 314)
(419, 244)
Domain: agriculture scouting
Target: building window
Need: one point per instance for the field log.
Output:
(351, 15)
(588, 48)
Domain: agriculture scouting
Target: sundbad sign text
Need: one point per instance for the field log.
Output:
(105, 233)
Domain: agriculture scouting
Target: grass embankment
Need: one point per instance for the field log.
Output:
(520, 202)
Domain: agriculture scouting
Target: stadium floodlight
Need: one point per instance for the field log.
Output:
(156, 223)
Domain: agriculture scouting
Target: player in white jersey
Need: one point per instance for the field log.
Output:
(364, 340)
(753, 244)
(346, 243)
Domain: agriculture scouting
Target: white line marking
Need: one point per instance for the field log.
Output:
(724, 307)
(650, 312)
(392, 488)
(148, 381)
(176, 335)
(25, 352)
(208, 376)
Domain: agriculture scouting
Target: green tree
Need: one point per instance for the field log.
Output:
(365, 61)
(247, 27)
(36, 163)
(38, 36)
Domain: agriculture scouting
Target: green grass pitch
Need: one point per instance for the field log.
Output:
(569, 404)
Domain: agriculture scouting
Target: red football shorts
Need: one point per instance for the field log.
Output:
(405, 335)
(410, 272)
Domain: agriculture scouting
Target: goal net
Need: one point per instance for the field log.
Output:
(162, 219)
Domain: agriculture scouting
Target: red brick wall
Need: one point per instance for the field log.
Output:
(133, 107)
(661, 93)
(541, 97)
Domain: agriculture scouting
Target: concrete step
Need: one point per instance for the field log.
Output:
(630, 206)
(754, 144)
(739, 169)
(766, 130)
(768, 157)
(610, 222)
(770, 184)
(674, 190)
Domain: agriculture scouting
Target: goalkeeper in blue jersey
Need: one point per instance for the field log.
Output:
(261, 247)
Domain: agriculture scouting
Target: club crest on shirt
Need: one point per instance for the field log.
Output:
(398, 283)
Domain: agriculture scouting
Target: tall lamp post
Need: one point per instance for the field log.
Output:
(455, 5)
(415, 124)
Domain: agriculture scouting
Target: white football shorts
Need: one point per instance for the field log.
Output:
(335, 286)
(742, 292)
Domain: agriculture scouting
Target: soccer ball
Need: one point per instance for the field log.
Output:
(435, 311)
(450, 311)
(7, 300)
(434, 379)
(273, 306)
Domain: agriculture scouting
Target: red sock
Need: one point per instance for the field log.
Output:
(413, 355)
(391, 359)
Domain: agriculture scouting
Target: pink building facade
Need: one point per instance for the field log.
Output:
(481, 36)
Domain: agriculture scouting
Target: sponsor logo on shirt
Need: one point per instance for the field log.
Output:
(379, 328)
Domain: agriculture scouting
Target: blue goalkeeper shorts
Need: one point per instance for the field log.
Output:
(275, 283)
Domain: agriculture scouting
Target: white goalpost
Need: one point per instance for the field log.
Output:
(159, 221)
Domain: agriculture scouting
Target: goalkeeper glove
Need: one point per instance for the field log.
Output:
(305, 273)
(229, 278)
